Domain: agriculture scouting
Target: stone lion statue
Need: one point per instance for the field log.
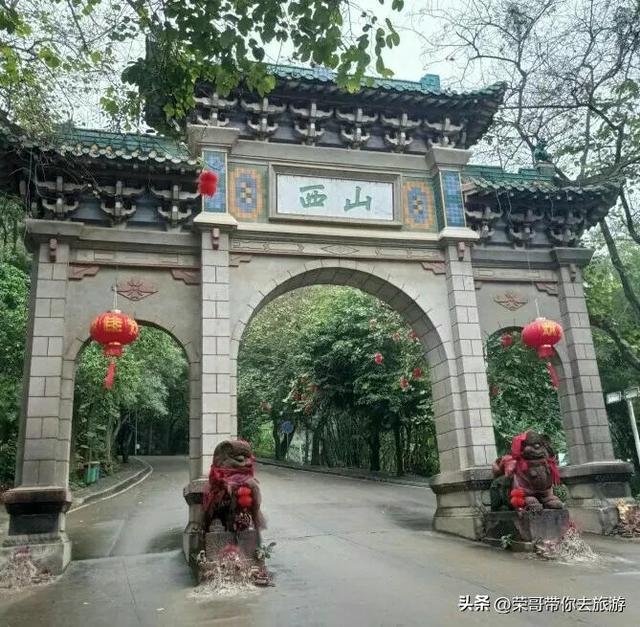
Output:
(233, 497)
(524, 479)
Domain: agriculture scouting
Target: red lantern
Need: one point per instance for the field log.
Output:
(404, 383)
(417, 373)
(207, 183)
(378, 358)
(517, 498)
(506, 340)
(113, 330)
(542, 334)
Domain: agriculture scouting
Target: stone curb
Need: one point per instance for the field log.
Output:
(114, 489)
(340, 472)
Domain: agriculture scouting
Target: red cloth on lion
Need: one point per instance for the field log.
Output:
(517, 464)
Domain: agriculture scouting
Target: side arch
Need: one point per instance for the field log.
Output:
(67, 392)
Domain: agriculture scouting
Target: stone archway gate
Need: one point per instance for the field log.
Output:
(316, 186)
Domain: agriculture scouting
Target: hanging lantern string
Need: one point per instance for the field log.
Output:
(114, 288)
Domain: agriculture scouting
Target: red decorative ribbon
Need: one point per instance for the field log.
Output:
(517, 463)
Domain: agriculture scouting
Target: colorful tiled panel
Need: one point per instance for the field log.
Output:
(419, 205)
(248, 192)
(453, 204)
(216, 161)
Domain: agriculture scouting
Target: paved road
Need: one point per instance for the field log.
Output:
(349, 552)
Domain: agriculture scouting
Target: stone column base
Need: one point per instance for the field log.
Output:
(593, 492)
(37, 521)
(192, 537)
(463, 499)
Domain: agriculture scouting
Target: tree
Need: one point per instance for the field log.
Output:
(521, 393)
(14, 290)
(572, 70)
(151, 388)
(310, 358)
(50, 47)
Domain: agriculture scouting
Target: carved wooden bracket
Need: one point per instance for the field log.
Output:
(437, 267)
(511, 300)
(77, 272)
(215, 238)
(549, 288)
(187, 276)
(135, 288)
(53, 250)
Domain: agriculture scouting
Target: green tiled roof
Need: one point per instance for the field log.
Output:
(110, 145)
(494, 178)
(77, 142)
(428, 84)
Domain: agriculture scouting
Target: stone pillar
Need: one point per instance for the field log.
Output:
(215, 224)
(38, 503)
(466, 443)
(595, 479)
(468, 449)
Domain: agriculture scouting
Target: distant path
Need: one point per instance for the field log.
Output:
(148, 518)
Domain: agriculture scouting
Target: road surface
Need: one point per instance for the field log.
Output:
(349, 552)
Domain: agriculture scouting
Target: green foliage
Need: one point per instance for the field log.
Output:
(14, 290)
(522, 396)
(52, 51)
(309, 358)
(151, 388)
(607, 302)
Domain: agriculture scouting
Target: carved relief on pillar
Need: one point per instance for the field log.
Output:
(189, 276)
(235, 260)
(547, 287)
(77, 272)
(511, 300)
(135, 288)
(437, 267)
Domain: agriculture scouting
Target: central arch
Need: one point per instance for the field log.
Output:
(429, 322)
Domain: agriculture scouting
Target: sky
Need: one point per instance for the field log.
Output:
(406, 60)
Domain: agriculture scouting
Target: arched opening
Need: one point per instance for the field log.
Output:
(336, 323)
(521, 392)
(145, 413)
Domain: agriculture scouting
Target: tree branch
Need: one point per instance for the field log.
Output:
(620, 269)
(624, 348)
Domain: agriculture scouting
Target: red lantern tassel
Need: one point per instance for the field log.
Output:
(111, 374)
(553, 375)
(208, 183)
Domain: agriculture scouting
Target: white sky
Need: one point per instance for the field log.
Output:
(406, 61)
